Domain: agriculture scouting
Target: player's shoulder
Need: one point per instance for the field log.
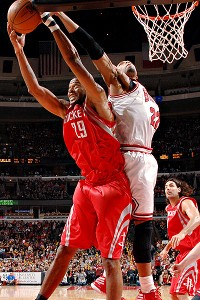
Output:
(188, 199)
(183, 198)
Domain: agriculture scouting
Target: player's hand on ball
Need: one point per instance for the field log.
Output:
(23, 16)
(18, 41)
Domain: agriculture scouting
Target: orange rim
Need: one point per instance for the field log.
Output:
(167, 17)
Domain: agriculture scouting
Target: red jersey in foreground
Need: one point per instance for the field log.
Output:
(90, 141)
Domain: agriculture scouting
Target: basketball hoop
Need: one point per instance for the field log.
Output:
(164, 26)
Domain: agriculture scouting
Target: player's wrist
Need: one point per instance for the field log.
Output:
(59, 13)
(49, 21)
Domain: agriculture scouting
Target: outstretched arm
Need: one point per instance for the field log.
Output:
(164, 252)
(45, 97)
(100, 59)
(96, 95)
(192, 256)
(195, 224)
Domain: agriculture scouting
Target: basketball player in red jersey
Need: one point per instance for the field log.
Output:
(138, 118)
(182, 212)
(102, 202)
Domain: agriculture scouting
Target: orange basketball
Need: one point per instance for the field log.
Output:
(23, 16)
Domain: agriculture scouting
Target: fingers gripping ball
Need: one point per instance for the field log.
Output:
(23, 16)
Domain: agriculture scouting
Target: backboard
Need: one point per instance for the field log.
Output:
(70, 5)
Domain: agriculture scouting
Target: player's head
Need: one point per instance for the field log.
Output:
(76, 92)
(176, 188)
(129, 68)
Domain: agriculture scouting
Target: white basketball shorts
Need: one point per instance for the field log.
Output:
(141, 169)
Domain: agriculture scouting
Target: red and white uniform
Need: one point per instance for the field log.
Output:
(102, 201)
(138, 117)
(189, 279)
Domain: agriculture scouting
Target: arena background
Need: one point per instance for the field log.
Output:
(37, 175)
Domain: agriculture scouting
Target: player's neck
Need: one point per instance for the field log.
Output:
(174, 200)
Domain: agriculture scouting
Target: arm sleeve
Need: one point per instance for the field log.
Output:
(88, 43)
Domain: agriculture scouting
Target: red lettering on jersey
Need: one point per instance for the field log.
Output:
(147, 96)
(155, 117)
(74, 114)
(171, 213)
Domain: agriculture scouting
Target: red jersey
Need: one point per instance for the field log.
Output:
(177, 220)
(90, 141)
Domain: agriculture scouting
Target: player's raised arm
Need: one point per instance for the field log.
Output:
(45, 97)
(100, 59)
(96, 95)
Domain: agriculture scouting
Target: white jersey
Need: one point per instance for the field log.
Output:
(137, 116)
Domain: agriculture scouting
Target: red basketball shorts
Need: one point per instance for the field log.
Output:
(99, 217)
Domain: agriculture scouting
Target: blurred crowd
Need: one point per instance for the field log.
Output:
(39, 147)
(42, 188)
(178, 135)
(31, 246)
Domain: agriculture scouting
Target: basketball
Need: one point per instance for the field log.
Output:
(23, 16)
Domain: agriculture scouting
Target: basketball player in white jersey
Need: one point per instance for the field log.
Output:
(137, 117)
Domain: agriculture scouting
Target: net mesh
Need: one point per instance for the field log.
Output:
(164, 26)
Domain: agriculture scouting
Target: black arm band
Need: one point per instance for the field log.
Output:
(40, 297)
(87, 41)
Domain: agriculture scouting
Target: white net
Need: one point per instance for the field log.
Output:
(164, 25)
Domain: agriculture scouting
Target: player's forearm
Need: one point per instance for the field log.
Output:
(27, 71)
(87, 41)
(192, 256)
(65, 46)
(167, 247)
(70, 25)
(191, 225)
(41, 94)
(125, 81)
(94, 50)
(79, 34)
(194, 224)
(67, 49)
(94, 92)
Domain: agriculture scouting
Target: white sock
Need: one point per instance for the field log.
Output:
(147, 284)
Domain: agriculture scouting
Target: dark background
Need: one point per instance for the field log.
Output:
(116, 29)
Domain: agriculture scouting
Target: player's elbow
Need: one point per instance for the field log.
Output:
(73, 59)
(197, 220)
(100, 92)
(34, 90)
